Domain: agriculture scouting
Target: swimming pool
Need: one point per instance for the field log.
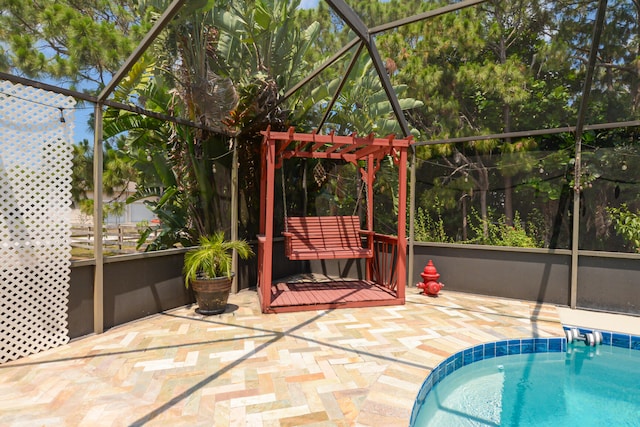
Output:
(535, 385)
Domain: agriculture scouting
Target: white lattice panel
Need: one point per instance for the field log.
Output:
(35, 213)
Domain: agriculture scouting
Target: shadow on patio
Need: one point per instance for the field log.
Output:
(337, 367)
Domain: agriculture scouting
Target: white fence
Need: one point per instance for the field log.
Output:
(116, 238)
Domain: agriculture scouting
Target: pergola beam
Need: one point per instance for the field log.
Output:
(348, 148)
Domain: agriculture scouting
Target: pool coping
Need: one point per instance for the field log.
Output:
(501, 348)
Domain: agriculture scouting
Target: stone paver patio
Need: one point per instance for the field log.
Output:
(343, 367)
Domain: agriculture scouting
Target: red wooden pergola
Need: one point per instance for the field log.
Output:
(385, 256)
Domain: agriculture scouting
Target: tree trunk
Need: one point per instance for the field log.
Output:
(484, 214)
(483, 181)
(506, 117)
(565, 195)
(508, 200)
(464, 217)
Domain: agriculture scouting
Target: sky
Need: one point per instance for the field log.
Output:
(308, 4)
(81, 128)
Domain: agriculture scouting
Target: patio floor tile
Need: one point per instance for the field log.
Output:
(343, 367)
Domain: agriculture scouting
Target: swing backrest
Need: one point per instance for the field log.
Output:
(325, 237)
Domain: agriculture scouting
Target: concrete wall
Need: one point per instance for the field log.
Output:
(144, 284)
(134, 287)
(608, 283)
(80, 317)
(522, 274)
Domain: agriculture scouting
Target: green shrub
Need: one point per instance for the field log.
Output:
(627, 225)
(499, 233)
(427, 229)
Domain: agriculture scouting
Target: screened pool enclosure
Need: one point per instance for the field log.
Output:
(139, 127)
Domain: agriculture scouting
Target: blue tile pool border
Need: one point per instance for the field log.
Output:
(509, 347)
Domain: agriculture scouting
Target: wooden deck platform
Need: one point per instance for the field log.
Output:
(287, 296)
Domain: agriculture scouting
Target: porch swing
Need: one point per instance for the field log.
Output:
(326, 236)
(333, 237)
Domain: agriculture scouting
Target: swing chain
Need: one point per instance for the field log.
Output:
(284, 194)
(360, 191)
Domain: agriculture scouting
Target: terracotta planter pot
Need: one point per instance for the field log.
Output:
(212, 294)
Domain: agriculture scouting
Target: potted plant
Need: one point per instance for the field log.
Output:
(207, 269)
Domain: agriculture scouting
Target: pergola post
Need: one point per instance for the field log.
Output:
(402, 224)
(265, 240)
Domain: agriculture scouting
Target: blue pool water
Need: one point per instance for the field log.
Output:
(585, 386)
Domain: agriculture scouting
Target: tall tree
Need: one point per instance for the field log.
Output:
(262, 49)
(66, 40)
(224, 64)
(119, 172)
(615, 94)
(483, 70)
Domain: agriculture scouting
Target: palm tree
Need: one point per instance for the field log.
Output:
(224, 65)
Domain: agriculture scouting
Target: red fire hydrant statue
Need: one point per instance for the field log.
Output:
(430, 284)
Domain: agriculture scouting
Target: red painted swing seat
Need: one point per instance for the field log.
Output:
(326, 237)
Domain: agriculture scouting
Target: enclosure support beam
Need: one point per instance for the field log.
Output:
(345, 77)
(528, 133)
(354, 22)
(577, 187)
(108, 103)
(426, 15)
(149, 38)
(388, 88)
(326, 64)
(234, 212)
(98, 279)
(351, 18)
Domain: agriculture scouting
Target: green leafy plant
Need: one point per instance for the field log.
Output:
(428, 229)
(212, 258)
(537, 228)
(169, 205)
(499, 232)
(627, 224)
